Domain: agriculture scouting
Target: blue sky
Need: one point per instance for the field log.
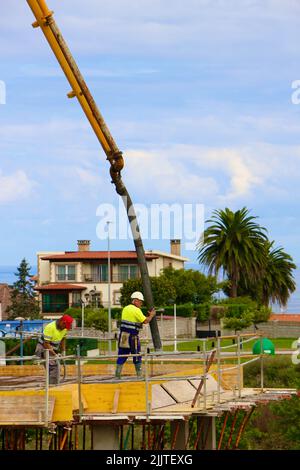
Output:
(196, 93)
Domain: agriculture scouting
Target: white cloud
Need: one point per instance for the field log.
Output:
(213, 175)
(14, 187)
(88, 177)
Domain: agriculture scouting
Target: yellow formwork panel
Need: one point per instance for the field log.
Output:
(100, 397)
(21, 371)
(73, 388)
(63, 410)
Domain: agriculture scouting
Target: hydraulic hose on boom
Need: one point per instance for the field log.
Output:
(79, 89)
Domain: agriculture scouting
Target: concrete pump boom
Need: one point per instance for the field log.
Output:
(79, 89)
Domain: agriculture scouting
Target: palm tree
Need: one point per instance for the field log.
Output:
(235, 243)
(278, 281)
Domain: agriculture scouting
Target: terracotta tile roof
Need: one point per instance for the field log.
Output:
(97, 255)
(58, 286)
(285, 317)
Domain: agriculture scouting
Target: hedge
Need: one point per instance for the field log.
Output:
(202, 311)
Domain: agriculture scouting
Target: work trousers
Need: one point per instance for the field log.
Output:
(54, 366)
(132, 344)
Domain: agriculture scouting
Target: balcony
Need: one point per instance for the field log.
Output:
(94, 278)
(122, 277)
(65, 277)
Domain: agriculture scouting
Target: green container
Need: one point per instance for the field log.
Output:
(267, 347)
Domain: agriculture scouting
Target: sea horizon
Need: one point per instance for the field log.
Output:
(7, 276)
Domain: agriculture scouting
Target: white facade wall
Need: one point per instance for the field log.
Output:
(47, 274)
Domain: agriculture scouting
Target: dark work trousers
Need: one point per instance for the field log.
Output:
(54, 367)
(134, 348)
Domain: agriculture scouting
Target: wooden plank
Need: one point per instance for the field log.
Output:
(180, 390)
(116, 401)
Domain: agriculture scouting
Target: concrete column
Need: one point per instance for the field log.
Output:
(106, 437)
(182, 434)
(208, 433)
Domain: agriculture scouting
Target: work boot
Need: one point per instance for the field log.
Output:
(138, 369)
(118, 371)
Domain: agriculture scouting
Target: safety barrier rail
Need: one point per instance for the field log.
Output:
(207, 357)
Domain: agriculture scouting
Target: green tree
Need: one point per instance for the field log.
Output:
(96, 318)
(23, 297)
(162, 290)
(191, 285)
(235, 243)
(276, 282)
(241, 312)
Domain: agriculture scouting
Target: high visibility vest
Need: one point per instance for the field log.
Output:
(132, 319)
(53, 335)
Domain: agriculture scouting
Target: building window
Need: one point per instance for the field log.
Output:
(127, 271)
(99, 272)
(76, 299)
(117, 298)
(66, 272)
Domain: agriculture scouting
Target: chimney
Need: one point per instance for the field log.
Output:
(83, 245)
(175, 247)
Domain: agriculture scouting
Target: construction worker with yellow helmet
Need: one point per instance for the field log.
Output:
(132, 321)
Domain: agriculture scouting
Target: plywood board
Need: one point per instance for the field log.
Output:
(211, 385)
(73, 388)
(160, 397)
(63, 401)
(25, 409)
(180, 390)
(99, 397)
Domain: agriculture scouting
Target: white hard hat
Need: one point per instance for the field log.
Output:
(137, 295)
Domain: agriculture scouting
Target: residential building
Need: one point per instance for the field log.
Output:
(69, 278)
(5, 299)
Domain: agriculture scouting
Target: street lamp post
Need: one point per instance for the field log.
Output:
(82, 317)
(175, 329)
(109, 278)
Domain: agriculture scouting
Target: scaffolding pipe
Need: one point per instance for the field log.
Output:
(46, 420)
(223, 430)
(232, 428)
(261, 365)
(242, 427)
(239, 365)
(219, 370)
(80, 410)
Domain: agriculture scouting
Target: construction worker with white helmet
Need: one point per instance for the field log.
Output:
(132, 321)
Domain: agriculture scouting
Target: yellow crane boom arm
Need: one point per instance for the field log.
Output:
(45, 20)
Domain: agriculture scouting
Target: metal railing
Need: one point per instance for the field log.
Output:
(149, 358)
